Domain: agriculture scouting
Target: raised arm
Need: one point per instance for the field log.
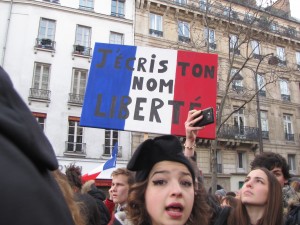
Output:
(191, 132)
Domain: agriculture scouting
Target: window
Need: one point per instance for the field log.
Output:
(241, 162)
(284, 90)
(298, 60)
(111, 137)
(292, 163)
(239, 122)
(229, 12)
(75, 137)
(274, 26)
(255, 49)
(219, 162)
(40, 118)
(86, 4)
(233, 44)
(53, 1)
(156, 25)
(117, 8)
(40, 84)
(181, 2)
(264, 124)
(249, 18)
(83, 40)
(261, 85)
(116, 38)
(288, 129)
(78, 86)
(183, 31)
(46, 33)
(203, 5)
(237, 82)
(281, 56)
(209, 35)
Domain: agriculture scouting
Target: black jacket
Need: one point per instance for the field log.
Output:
(99, 196)
(28, 192)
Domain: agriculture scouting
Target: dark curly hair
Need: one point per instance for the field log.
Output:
(270, 160)
(138, 215)
(73, 173)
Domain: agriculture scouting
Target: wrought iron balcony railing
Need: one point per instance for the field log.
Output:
(75, 98)
(156, 33)
(265, 134)
(39, 94)
(82, 50)
(289, 137)
(239, 133)
(107, 150)
(286, 97)
(45, 43)
(75, 147)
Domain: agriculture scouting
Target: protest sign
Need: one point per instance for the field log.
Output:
(148, 89)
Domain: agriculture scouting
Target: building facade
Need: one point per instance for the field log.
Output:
(258, 52)
(46, 48)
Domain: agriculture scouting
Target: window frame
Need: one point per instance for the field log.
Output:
(111, 137)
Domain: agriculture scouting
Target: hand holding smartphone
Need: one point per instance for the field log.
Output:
(208, 117)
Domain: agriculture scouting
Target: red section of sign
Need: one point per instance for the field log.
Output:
(195, 71)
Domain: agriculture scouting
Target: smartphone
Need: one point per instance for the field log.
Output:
(208, 117)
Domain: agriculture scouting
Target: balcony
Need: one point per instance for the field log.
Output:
(76, 99)
(45, 43)
(39, 94)
(257, 56)
(235, 51)
(82, 50)
(289, 137)
(117, 14)
(237, 88)
(184, 39)
(75, 149)
(107, 150)
(239, 133)
(219, 168)
(265, 134)
(87, 8)
(262, 93)
(281, 62)
(217, 11)
(155, 33)
(286, 98)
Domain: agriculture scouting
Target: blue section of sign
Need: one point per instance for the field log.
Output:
(108, 86)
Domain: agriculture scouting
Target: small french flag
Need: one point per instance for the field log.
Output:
(109, 165)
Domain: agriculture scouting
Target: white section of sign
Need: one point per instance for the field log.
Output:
(150, 81)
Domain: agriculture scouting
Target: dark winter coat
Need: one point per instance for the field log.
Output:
(28, 192)
(99, 196)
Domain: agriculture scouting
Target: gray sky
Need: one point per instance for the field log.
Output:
(295, 8)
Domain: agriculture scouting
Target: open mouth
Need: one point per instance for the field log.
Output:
(174, 208)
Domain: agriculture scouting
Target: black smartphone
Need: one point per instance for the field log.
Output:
(208, 117)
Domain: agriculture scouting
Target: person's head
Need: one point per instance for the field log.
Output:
(164, 192)
(220, 194)
(261, 194)
(122, 179)
(229, 200)
(73, 173)
(275, 163)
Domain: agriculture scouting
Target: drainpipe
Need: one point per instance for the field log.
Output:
(6, 33)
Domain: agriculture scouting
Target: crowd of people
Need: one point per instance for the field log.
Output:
(161, 185)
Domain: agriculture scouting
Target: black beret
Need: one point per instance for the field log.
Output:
(152, 151)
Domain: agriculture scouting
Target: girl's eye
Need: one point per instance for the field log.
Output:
(159, 182)
(186, 183)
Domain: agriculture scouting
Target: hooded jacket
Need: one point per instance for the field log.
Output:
(29, 194)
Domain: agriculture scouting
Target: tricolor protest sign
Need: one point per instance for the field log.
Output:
(148, 89)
